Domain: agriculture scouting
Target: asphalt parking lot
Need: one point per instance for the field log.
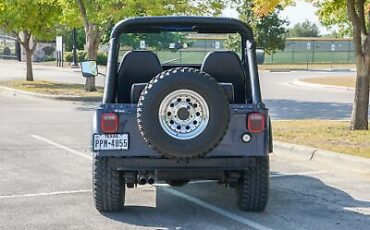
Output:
(45, 183)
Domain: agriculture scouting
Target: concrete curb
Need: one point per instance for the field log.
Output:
(348, 162)
(287, 69)
(54, 97)
(321, 86)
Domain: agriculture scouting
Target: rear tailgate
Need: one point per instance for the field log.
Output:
(127, 140)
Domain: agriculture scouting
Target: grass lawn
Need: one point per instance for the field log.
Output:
(329, 135)
(347, 81)
(52, 88)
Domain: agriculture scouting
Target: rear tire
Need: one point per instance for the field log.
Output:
(108, 186)
(254, 185)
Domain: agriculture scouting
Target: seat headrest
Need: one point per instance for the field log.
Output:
(225, 66)
(136, 67)
(134, 61)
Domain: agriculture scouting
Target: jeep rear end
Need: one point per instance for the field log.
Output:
(176, 121)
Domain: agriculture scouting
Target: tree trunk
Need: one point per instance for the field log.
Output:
(26, 44)
(361, 41)
(360, 108)
(92, 43)
(29, 75)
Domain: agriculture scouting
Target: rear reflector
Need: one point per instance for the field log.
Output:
(256, 122)
(109, 122)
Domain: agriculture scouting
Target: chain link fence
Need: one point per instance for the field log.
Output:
(298, 51)
(314, 51)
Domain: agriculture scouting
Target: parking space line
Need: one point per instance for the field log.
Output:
(44, 194)
(61, 146)
(297, 174)
(218, 210)
(202, 181)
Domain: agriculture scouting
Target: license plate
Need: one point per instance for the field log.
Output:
(110, 142)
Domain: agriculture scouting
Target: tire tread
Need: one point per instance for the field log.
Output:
(254, 185)
(108, 186)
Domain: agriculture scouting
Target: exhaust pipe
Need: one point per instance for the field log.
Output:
(151, 178)
(142, 180)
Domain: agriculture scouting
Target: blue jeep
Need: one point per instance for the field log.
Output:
(164, 117)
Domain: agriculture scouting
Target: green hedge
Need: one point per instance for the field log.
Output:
(101, 59)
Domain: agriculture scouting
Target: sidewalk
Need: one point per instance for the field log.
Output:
(14, 70)
(332, 159)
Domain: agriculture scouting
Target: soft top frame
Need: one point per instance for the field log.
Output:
(183, 23)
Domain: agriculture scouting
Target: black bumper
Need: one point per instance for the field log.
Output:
(235, 163)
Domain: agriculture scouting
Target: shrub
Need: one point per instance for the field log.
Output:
(101, 58)
(68, 56)
(49, 58)
(81, 55)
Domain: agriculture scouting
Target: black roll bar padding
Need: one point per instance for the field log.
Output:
(230, 24)
(111, 78)
(253, 72)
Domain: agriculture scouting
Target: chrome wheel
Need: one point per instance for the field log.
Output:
(183, 114)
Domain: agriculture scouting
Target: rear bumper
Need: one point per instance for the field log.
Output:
(234, 163)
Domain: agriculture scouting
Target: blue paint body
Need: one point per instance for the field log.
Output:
(231, 145)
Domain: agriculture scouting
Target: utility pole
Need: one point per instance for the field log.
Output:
(74, 63)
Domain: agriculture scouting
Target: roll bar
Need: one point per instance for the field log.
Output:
(183, 23)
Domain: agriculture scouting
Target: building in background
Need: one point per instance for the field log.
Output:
(9, 48)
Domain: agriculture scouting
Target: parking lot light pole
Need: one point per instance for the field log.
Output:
(74, 63)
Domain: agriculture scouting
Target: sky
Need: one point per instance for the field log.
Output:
(294, 14)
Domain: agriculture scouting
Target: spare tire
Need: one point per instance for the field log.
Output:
(183, 113)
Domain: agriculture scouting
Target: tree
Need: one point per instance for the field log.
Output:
(304, 29)
(269, 30)
(97, 16)
(336, 13)
(66, 32)
(29, 22)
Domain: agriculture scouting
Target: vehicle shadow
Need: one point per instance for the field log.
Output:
(295, 202)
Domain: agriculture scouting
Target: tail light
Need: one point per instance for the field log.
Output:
(109, 122)
(256, 122)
